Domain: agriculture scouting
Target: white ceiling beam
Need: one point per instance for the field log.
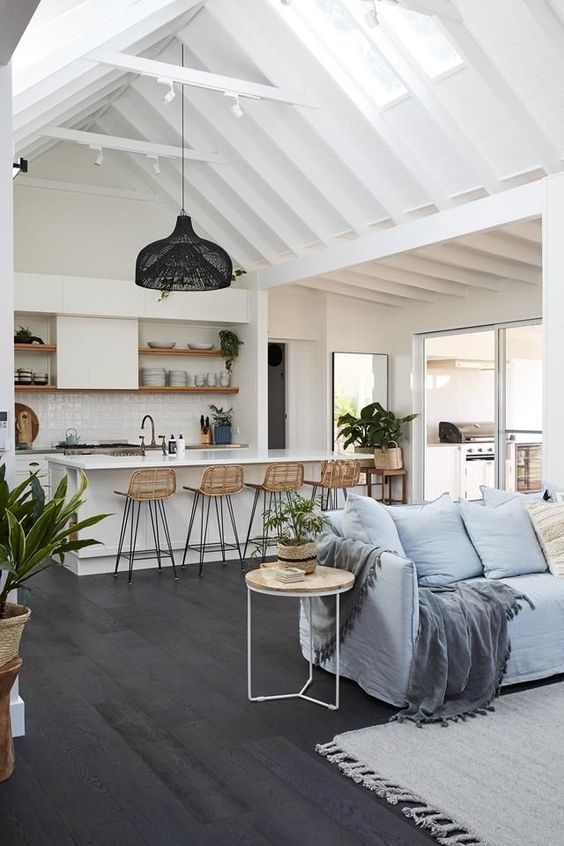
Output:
(486, 213)
(331, 287)
(247, 32)
(87, 26)
(15, 18)
(382, 286)
(395, 52)
(126, 145)
(136, 106)
(528, 230)
(472, 52)
(396, 141)
(280, 130)
(27, 181)
(474, 260)
(417, 281)
(198, 78)
(417, 263)
(439, 8)
(508, 248)
(549, 22)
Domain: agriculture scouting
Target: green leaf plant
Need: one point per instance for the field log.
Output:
(33, 533)
(374, 427)
(294, 521)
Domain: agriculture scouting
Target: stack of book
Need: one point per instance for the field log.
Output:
(289, 574)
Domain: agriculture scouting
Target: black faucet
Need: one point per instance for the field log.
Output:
(153, 444)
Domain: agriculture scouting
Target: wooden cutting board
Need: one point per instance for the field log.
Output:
(27, 425)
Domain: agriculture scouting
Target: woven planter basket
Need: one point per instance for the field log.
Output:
(388, 459)
(11, 630)
(366, 451)
(303, 556)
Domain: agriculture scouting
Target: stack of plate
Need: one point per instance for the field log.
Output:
(177, 378)
(153, 377)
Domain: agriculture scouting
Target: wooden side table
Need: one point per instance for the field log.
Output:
(325, 581)
(8, 674)
(383, 478)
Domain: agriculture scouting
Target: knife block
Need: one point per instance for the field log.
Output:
(206, 437)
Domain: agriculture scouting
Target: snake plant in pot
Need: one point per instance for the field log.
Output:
(33, 533)
(296, 523)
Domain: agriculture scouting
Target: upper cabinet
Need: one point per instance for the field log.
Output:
(97, 352)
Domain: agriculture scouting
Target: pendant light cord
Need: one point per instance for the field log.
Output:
(182, 113)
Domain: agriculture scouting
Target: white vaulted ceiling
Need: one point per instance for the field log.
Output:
(393, 122)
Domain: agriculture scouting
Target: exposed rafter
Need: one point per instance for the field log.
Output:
(331, 287)
(441, 8)
(418, 281)
(509, 248)
(422, 263)
(382, 286)
(463, 257)
(198, 78)
(26, 181)
(127, 145)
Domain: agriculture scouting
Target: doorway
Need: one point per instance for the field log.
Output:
(276, 396)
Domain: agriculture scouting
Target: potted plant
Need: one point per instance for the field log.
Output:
(222, 422)
(295, 522)
(23, 335)
(229, 347)
(375, 431)
(32, 533)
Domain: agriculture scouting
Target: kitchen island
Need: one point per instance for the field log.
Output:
(109, 473)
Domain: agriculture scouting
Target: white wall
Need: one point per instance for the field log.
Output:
(6, 256)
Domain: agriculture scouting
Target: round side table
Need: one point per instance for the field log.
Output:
(325, 581)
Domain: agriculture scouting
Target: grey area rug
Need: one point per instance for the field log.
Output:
(493, 780)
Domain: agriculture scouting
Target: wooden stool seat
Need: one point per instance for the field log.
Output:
(339, 474)
(384, 477)
(279, 478)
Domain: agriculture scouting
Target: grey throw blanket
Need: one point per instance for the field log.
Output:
(462, 650)
(359, 558)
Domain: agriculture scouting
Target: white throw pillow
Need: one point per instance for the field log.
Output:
(548, 522)
(367, 520)
(504, 538)
(434, 537)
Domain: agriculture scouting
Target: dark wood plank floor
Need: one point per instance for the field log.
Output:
(139, 730)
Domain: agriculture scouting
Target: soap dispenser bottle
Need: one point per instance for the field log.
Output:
(172, 445)
(180, 447)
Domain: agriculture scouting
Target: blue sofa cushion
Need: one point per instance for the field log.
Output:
(434, 537)
(366, 520)
(495, 496)
(504, 538)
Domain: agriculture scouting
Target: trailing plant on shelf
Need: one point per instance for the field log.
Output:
(229, 346)
(295, 523)
(163, 295)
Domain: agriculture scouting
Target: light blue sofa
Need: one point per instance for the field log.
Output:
(378, 652)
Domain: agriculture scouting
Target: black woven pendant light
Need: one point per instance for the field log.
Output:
(183, 261)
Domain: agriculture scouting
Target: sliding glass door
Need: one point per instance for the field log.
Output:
(483, 410)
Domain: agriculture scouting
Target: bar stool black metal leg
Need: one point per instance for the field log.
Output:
(155, 528)
(219, 521)
(161, 506)
(190, 526)
(204, 534)
(235, 534)
(133, 539)
(253, 510)
(123, 530)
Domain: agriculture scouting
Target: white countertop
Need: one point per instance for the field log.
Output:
(192, 458)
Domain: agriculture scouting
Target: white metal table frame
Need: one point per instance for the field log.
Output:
(300, 694)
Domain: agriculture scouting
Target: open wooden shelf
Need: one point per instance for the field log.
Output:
(142, 389)
(44, 348)
(178, 351)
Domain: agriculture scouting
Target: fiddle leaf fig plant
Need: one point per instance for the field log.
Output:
(374, 427)
(34, 532)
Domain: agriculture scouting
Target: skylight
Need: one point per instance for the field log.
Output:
(424, 37)
(351, 45)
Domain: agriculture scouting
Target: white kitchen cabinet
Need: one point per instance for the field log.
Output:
(444, 471)
(34, 463)
(97, 352)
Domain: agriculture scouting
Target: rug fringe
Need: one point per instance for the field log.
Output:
(445, 830)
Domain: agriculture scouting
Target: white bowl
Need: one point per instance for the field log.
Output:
(161, 345)
(200, 346)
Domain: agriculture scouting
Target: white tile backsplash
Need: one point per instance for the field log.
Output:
(104, 415)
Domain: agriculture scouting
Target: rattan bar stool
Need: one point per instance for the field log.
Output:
(219, 483)
(279, 479)
(340, 474)
(151, 487)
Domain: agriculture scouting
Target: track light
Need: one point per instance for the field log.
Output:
(19, 167)
(100, 157)
(156, 165)
(235, 109)
(171, 93)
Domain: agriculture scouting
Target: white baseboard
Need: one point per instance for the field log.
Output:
(17, 715)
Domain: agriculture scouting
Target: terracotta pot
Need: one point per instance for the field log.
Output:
(388, 459)
(302, 555)
(11, 630)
